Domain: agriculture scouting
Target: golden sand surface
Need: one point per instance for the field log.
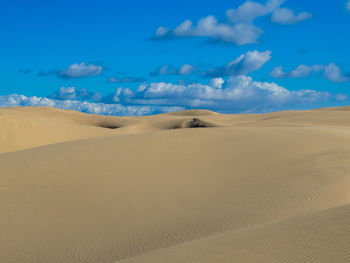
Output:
(191, 186)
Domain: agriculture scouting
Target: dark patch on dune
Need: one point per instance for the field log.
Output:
(197, 123)
(193, 123)
(109, 125)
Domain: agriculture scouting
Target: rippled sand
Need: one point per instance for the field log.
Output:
(192, 186)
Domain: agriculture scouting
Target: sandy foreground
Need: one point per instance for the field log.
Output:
(192, 186)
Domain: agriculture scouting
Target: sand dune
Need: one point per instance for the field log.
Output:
(316, 237)
(192, 186)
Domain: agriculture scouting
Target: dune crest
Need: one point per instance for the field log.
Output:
(192, 186)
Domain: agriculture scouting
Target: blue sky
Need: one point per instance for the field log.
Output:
(145, 57)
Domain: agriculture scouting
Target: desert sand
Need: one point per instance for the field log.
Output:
(191, 186)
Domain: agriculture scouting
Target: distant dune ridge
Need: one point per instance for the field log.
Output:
(190, 186)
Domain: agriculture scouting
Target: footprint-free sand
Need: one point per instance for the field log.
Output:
(191, 186)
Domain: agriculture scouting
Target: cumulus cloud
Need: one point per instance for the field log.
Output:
(81, 70)
(237, 27)
(301, 71)
(185, 69)
(126, 79)
(216, 83)
(74, 71)
(250, 10)
(331, 72)
(334, 73)
(286, 16)
(341, 97)
(244, 64)
(64, 93)
(240, 34)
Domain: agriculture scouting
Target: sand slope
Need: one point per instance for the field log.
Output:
(242, 188)
(316, 237)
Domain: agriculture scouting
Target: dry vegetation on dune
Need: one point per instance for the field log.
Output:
(191, 186)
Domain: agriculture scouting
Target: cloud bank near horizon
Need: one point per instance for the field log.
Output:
(239, 94)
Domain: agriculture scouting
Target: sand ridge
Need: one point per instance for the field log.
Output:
(192, 186)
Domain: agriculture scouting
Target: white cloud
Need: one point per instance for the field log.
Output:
(244, 64)
(80, 70)
(341, 97)
(334, 73)
(250, 10)
(278, 72)
(74, 71)
(331, 72)
(301, 71)
(163, 70)
(161, 31)
(67, 93)
(120, 95)
(239, 34)
(185, 69)
(286, 16)
(216, 83)
(237, 27)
